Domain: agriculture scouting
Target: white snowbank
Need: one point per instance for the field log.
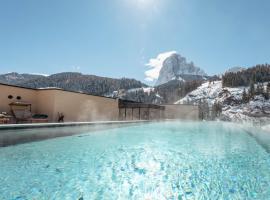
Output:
(256, 111)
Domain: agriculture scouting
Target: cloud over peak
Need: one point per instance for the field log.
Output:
(155, 65)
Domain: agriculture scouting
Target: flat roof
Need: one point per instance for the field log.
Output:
(122, 102)
(54, 88)
(184, 104)
(17, 86)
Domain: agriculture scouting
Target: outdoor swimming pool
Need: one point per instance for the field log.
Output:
(172, 160)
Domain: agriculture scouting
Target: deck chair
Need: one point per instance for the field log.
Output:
(22, 113)
(22, 116)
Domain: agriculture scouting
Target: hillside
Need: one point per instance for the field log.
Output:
(257, 74)
(129, 89)
(234, 108)
(18, 79)
(73, 82)
(165, 93)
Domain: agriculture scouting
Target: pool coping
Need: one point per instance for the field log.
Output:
(66, 124)
(9, 140)
(46, 131)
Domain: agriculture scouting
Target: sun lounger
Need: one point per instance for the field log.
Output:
(22, 113)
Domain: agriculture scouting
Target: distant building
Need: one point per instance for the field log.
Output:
(78, 106)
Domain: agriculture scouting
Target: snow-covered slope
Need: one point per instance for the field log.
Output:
(233, 109)
(143, 94)
(16, 78)
(211, 92)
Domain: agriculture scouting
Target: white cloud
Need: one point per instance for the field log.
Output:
(155, 65)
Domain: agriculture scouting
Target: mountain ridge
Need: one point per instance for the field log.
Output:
(72, 81)
(129, 89)
(176, 66)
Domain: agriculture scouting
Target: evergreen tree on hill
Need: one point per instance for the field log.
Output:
(257, 74)
(251, 90)
(245, 97)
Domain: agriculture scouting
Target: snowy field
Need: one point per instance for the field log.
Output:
(256, 111)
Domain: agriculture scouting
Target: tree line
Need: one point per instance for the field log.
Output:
(173, 90)
(257, 74)
(258, 89)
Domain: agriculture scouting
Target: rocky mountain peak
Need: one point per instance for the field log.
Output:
(176, 67)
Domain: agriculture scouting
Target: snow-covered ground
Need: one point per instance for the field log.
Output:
(211, 93)
(144, 94)
(256, 110)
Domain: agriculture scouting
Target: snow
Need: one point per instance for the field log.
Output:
(169, 66)
(256, 110)
(158, 96)
(40, 74)
(211, 92)
(155, 65)
(179, 79)
(148, 90)
(46, 88)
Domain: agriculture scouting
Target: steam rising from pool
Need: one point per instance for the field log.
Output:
(170, 160)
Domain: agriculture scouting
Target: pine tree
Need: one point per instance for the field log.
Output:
(251, 90)
(267, 92)
(204, 110)
(259, 89)
(245, 98)
(254, 80)
(257, 74)
(216, 110)
(201, 110)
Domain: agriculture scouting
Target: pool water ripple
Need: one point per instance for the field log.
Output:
(153, 161)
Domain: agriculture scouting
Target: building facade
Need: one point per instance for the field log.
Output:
(81, 107)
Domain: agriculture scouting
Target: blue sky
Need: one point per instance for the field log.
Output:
(116, 38)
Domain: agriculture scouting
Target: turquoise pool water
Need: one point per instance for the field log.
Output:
(170, 160)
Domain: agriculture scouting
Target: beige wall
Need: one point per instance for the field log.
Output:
(46, 103)
(82, 107)
(75, 106)
(129, 113)
(122, 114)
(178, 111)
(27, 95)
(136, 114)
(145, 113)
(155, 113)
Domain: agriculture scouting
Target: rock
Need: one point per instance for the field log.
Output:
(175, 67)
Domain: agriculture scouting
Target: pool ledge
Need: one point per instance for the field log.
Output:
(51, 125)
